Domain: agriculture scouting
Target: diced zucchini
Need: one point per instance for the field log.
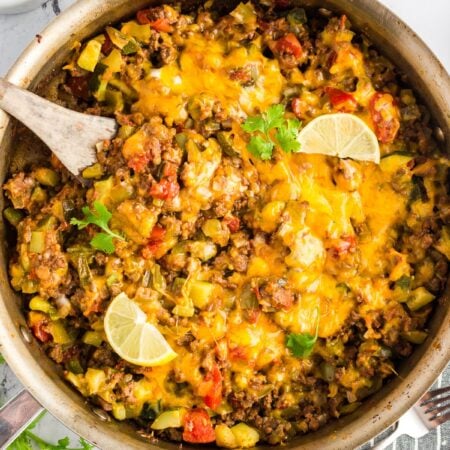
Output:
(13, 216)
(415, 336)
(200, 292)
(37, 242)
(94, 171)
(113, 61)
(124, 88)
(38, 195)
(39, 304)
(141, 32)
(75, 366)
(127, 44)
(443, 244)
(95, 378)
(225, 437)
(419, 298)
(47, 223)
(245, 436)
(169, 419)
(125, 131)
(93, 338)
(393, 162)
(59, 332)
(118, 410)
(214, 229)
(203, 249)
(47, 177)
(114, 99)
(90, 55)
(184, 309)
(102, 191)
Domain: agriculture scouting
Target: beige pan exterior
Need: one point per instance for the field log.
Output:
(40, 376)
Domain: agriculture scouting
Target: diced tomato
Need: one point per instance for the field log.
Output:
(282, 3)
(161, 24)
(289, 44)
(198, 428)
(39, 331)
(107, 45)
(341, 100)
(385, 116)
(213, 398)
(343, 246)
(139, 162)
(155, 241)
(79, 86)
(165, 189)
(233, 223)
(297, 106)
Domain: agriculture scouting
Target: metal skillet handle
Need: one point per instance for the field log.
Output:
(16, 415)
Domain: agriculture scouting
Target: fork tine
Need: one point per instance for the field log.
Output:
(440, 420)
(435, 411)
(432, 394)
(433, 403)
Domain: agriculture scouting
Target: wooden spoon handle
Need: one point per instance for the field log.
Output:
(71, 135)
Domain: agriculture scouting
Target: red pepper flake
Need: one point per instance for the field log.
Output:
(107, 45)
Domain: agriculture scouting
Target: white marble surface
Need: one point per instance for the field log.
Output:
(429, 19)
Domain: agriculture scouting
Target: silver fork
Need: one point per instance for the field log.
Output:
(432, 410)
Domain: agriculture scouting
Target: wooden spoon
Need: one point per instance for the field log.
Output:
(70, 135)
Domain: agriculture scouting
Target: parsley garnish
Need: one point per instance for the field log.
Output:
(101, 217)
(27, 438)
(2, 360)
(263, 143)
(301, 345)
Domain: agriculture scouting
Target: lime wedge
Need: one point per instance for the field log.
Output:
(132, 337)
(340, 134)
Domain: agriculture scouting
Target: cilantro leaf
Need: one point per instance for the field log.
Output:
(103, 242)
(301, 345)
(258, 146)
(274, 117)
(254, 124)
(27, 438)
(263, 142)
(287, 136)
(100, 217)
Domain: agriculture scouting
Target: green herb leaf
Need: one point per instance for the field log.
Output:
(274, 117)
(261, 148)
(287, 136)
(254, 124)
(100, 217)
(262, 144)
(27, 438)
(301, 345)
(2, 360)
(103, 242)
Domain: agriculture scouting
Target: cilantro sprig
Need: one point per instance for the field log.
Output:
(301, 345)
(27, 438)
(100, 217)
(271, 129)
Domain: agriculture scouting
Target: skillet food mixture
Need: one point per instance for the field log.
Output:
(277, 289)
